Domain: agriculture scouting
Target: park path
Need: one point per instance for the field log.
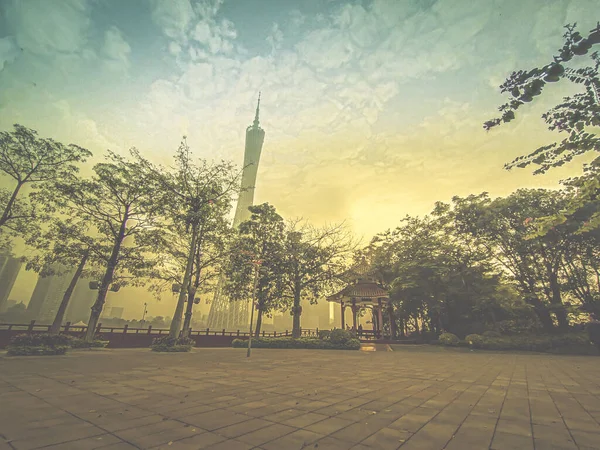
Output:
(412, 398)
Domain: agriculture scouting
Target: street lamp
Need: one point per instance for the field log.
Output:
(145, 310)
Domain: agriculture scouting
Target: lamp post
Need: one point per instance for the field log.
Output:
(145, 310)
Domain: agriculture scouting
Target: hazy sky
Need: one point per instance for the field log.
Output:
(372, 109)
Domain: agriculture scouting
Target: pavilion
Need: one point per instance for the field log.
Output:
(364, 291)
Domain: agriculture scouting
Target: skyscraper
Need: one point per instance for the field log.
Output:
(224, 313)
(48, 294)
(9, 269)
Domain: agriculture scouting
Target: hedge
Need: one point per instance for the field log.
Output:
(169, 344)
(47, 344)
(287, 342)
(571, 343)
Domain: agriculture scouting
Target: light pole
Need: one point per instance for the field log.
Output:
(145, 310)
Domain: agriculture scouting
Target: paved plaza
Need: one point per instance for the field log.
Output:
(412, 398)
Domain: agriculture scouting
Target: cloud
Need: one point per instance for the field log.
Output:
(46, 28)
(173, 17)
(116, 49)
(8, 51)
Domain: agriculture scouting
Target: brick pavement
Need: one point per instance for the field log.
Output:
(413, 398)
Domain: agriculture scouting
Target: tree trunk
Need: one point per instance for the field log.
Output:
(176, 322)
(296, 330)
(185, 332)
(62, 309)
(187, 323)
(556, 299)
(8, 208)
(258, 322)
(106, 281)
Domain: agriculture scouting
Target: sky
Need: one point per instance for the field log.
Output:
(372, 109)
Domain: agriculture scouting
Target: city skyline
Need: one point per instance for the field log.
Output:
(376, 106)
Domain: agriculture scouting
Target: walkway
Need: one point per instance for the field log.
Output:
(410, 398)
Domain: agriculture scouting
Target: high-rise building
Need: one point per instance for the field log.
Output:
(9, 269)
(223, 312)
(48, 294)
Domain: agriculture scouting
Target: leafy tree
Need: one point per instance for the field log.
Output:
(119, 205)
(31, 161)
(314, 259)
(575, 115)
(436, 277)
(255, 266)
(188, 192)
(501, 227)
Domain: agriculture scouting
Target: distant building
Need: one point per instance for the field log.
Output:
(9, 269)
(115, 312)
(48, 294)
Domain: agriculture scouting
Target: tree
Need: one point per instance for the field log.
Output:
(254, 269)
(502, 227)
(436, 277)
(314, 259)
(35, 162)
(575, 115)
(188, 192)
(119, 205)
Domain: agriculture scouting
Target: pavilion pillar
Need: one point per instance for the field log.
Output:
(380, 318)
(343, 315)
(354, 311)
(374, 320)
(392, 320)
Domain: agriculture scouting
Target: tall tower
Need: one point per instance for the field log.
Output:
(224, 313)
(9, 269)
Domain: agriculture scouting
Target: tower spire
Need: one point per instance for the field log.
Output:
(255, 124)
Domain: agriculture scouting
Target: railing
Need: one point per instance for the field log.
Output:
(32, 326)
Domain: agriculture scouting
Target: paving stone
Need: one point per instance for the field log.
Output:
(425, 396)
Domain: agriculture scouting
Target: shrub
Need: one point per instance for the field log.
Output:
(492, 334)
(474, 340)
(287, 342)
(339, 336)
(448, 339)
(324, 334)
(571, 343)
(33, 350)
(39, 344)
(593, 331)
(169, 344)
(96, 343)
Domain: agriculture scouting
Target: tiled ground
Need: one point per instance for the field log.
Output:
(412, 398)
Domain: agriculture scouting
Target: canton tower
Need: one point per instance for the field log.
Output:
(225, 314)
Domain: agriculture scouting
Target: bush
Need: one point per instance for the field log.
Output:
(474, 340)
(96, 343)
(448, 339)
(593, 331)
(169, 344)
(39, 344)
(492, 334)
(571, 343)
(324, 334)
(339, 336)
(287, 342)
(33, 350)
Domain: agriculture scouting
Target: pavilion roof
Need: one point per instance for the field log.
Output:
(360, 291)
